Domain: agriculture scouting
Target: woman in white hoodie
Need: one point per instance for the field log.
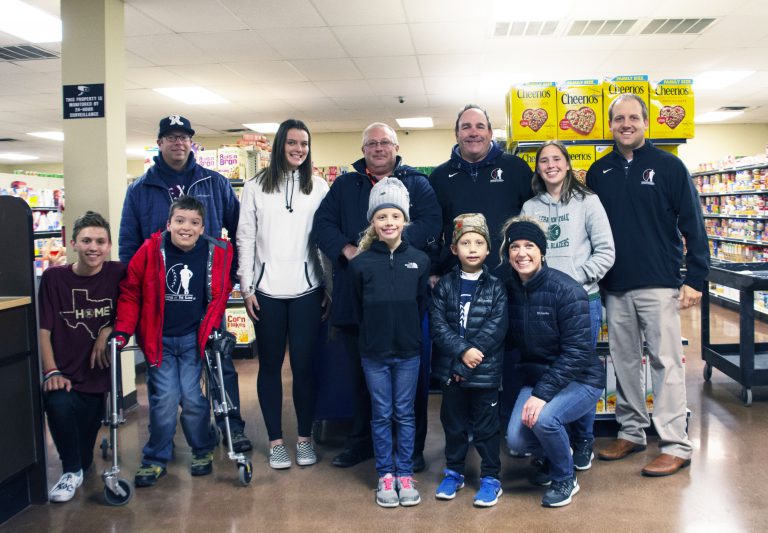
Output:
(281, 279)
(579, 243)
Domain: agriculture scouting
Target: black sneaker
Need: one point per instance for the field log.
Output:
(351, 457)
(240, 442)
(560, 493)
(582, 454)
(541, 477)
(202, 464)
(147, 475)
(419, 464)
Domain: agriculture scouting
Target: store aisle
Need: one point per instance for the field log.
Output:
(723, 490)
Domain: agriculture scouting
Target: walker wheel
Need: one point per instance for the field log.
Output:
(245, 473)
(104, 447)
(116, 499)
(707, 371)
(746, 396)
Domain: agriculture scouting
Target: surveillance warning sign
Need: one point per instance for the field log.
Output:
(84, 101)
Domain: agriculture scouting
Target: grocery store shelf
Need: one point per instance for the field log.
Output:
(730, 303)
(598, 142)
(734, 193)
(755, 217)
(44, 208)
(725, 170)
(47, 234)
(729, 239)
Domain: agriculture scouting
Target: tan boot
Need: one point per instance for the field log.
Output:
(665, 465)
(619, 449)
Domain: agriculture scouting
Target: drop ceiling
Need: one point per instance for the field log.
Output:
(341, 64)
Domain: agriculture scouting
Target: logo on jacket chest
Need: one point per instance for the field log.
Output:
(177, 281)
(648, 175)
(496, 175)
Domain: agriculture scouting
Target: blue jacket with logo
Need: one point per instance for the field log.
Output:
(497, 187)
(145, 209)
(343, 216)
(549, 324)
(650, 201)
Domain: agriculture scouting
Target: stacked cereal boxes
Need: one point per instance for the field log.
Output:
(580, 110)
(672, 109)
(207, 159)
(240, 325)
(233, 162)
(529, 156)
(533, 111)
(582, 158)
(614, 87)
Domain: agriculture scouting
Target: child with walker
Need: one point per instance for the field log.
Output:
(469, 324)
(174, 295)
(77, 304)
(390, 280)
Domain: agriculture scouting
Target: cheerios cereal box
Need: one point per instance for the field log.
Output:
(533, 111)
(580, 110)
(671, 111)
(529, 156)
(582, 158)
(618, 85)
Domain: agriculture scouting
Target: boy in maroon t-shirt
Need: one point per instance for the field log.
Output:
(77, 307)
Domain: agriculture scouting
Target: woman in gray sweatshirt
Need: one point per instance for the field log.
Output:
(579, 243)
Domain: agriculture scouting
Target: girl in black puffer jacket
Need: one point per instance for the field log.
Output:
(562, 375)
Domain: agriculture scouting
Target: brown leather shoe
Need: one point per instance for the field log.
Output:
(665, 465)
(619, 449)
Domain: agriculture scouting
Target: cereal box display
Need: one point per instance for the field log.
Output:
(602, 151)
(529, 156)
(613, 87)
(233, 162)
(600, 408)
(239, 325)
(533, 111)
(208, 159)
(610, 386)
(671, 148)
(580, 110)
(671, 110)
(582, 158)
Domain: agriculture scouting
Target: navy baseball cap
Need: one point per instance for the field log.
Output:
(175, 122)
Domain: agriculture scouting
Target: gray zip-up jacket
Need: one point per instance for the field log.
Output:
(579, 240)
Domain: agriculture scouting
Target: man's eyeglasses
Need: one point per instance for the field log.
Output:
(174, 138)
(376, 144)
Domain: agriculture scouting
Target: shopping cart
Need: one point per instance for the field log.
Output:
(221, 345)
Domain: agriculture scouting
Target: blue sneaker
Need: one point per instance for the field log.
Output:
(560, 493)
(490, 490)
(452, 482)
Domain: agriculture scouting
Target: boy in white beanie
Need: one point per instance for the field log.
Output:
(390, 279)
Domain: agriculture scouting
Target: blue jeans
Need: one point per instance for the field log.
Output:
(548, 438)
(392, 384)
(177, 381)
(582, 429)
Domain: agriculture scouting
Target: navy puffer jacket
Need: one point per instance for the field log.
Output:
(549, 323)
(486, 328)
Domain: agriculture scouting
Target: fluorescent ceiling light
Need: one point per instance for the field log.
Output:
(52, 135)
(717, 79)
(716, 116)
(415, 122)
(499, 134)
(10, 156)
(263, 127)
(192, 95)
(29, 23)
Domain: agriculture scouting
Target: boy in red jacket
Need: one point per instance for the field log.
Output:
(173, 296)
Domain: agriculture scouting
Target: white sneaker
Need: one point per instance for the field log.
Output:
(64, 490)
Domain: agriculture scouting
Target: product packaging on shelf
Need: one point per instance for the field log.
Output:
(240, 325)
(613, 87)
(582, 158)
(533, 111)
(600, 408)
(602, 151)
(672, 109)
(529, 156)
(208, 159)
(580, 110)
(610, 385)
(233, 162)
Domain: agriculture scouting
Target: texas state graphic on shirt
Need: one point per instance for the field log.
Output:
(91, 314)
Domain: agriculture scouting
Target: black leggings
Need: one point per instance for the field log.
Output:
(296, 320)
(74, 419)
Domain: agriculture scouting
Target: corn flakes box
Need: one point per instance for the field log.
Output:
(208, 159)
(580, 110)
(602, 151)
(529, 156)
(533, 111)
(582, 158)
(233, 162)
(610, 386)
(240, 325)
(600, 407)
(613, 87)
(671, 110)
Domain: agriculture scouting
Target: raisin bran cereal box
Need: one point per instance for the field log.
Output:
(613, 87)
(533, 111)
(232, 162)
(580, 110)
(208, 159)
(582, 158)
(671, 111)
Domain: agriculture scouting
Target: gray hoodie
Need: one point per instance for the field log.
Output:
(579, 240)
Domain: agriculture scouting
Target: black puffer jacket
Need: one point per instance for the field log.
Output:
(549, 323)
(485, 330)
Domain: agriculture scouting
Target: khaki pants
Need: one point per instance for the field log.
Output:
(652, 314)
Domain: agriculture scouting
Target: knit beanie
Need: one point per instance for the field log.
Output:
(528, 231)
(389, 192)
(470, 222)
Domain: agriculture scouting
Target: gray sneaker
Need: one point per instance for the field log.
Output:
(305, 453)
(278, 457)
(407, 492)
(386, 495)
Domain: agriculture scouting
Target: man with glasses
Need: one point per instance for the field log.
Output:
(338, 223)
(145, 211)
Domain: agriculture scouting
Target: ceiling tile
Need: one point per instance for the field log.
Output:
(342, 89)
(260, 14)
(327, 69)
(293, 90)
(132, 60)
(448, 10)
(267, 71)
(450, 37)
(375, 40)
(170, 49)
(309, 43)
(441, 65)
(180, 17)
(388, 67)
(398, 86)
(244, 45)
(155, 77)
(138, 23)
(209, 75)
(346, 13)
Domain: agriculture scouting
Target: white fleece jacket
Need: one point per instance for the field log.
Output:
(276, 254)
(579, 240)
